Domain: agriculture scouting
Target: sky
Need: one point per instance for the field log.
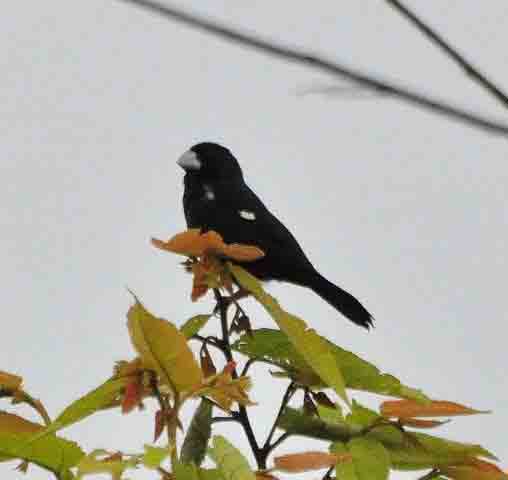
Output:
(403, 208)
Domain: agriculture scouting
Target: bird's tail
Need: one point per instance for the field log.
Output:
(341, 300)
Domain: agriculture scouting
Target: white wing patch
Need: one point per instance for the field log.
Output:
(247, 215)
(209, 193)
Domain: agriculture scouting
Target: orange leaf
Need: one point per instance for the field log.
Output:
(305, 461)
(265, 476)
(194, 244)
(471, 473)
(243, 253)
(483, 466)
(436, 408)
(10, 382)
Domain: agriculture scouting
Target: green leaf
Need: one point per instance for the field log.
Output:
(417, 451)
(194, 325)
(198, 434)
(370, 460)
(183, 471)
(361, 416)
(329, 414)
(343, 470)
(313, 348)
(101, 398)
(154, 456)
(163, 348)
(93, 463)
(274, 347)
(230, 462)
(51, 452)
(189, 471)
(295, 422)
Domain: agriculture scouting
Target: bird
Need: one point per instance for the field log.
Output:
(217, 198)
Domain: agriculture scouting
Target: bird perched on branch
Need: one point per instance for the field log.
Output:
(216, 197)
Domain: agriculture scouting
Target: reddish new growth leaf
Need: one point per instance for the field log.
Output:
(133, 395)
(207, 250)
(160, 423)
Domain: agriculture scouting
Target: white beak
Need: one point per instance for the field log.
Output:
(189, 161)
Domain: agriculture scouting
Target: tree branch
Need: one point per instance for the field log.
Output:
(437, 39)
(242, 415)
(318, 63)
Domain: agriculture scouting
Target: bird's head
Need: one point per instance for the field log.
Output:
(210, 162)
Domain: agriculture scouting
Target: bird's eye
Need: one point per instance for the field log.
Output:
(247, 215)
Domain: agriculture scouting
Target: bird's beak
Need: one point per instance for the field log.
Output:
(189, 161)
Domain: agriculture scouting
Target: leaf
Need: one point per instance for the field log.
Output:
(194, 325)
(133, 395)
(101, 398)
(274, 347)
(198, 434)
(418, 451)
(182, 471)
(436, 408)
(10, 382)
(370, 460)
(313, 348)
(361, 416)
(225, 390)
(189, 471)
(304, 462)
(114, 465)
(193, 243)
(163, 348)
(419, 423)
(52, 453)
(231, 463)
(295, 422)
(154, 456)
(471, 473)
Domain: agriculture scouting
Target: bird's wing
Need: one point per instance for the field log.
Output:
(241, 217)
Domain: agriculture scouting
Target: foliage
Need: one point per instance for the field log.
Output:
(358, 443)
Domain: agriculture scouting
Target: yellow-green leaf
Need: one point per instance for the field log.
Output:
(154, 456)
(51, 452)
(194, 325)
(313, 348)
(231, 463)
(370, 460)
(163, 348)
(274, 347)
(104, 396)
(296, 422)
(93, 463)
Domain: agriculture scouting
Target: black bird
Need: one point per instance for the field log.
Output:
(216, 197)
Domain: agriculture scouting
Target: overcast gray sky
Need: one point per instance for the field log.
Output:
(405, 209)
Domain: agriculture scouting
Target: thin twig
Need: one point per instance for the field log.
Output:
(224, 419)
(290, 390)
(310, 60)
(242, 415)
(432, 474)
(280, 440)
(436, 38)
(247, 365)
